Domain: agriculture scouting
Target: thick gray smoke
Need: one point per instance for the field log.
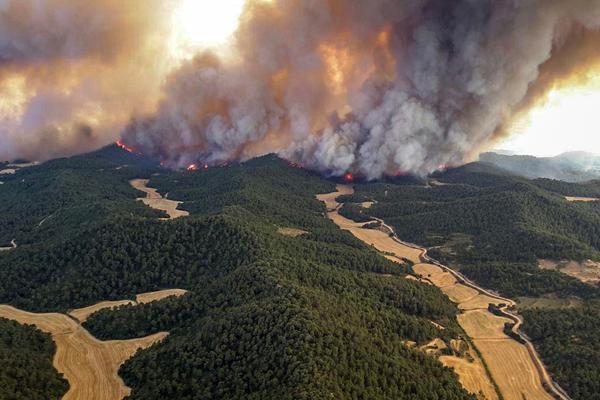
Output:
(374, 88)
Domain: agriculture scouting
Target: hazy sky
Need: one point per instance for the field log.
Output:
(568, 120)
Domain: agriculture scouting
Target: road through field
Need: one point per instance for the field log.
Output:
(515, 368)
(89, 365)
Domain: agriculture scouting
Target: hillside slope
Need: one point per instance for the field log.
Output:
(494, 227)
(267, 316)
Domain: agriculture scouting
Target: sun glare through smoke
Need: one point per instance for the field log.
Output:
(566, 119)
(201, 24)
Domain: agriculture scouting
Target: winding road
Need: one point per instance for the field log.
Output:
(550, 384)
(505, 308)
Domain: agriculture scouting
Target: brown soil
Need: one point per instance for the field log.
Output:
(434, 347)
(154, 200)
(367, 204)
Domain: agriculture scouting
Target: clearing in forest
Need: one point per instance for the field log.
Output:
(154, 200)
(587, 271)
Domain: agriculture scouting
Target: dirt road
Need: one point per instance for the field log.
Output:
(516, 368)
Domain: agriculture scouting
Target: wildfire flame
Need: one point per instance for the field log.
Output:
(127, 148)
(192, 167)
(349, 177)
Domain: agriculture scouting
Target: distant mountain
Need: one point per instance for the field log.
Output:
(569, 167)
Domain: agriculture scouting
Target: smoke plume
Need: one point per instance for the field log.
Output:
(375, 87)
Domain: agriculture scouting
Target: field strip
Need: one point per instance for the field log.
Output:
(159, 295)
(515, 368)
(154, 200)
(90, 366)
(82, 314)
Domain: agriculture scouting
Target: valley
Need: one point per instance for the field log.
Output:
(514, 367)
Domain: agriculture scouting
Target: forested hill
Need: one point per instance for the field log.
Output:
(281, 304)
(61, 197)
(494, 227)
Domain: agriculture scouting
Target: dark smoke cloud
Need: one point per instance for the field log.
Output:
(376, 87)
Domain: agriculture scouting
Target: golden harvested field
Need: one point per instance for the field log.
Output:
(480, 301)
(470, 372)
(154, 200)
(513, 370)
(511, 365)
(159, 295)
(82, 314)
(460, 293)
(581, 199)
(481, 324)
(435, 274)
(88, 364)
